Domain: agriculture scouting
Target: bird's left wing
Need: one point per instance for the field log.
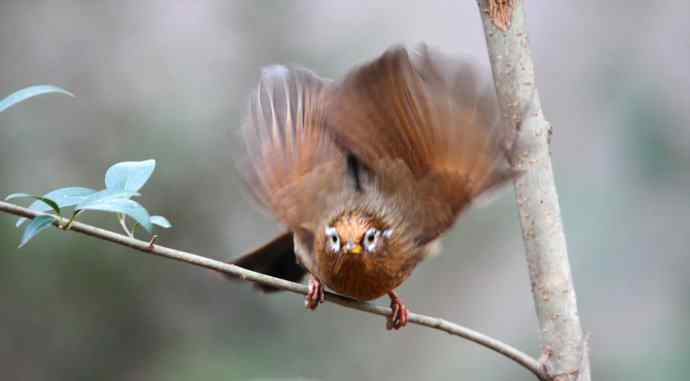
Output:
(418, 120)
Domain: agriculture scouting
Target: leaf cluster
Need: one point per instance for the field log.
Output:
(122, 183)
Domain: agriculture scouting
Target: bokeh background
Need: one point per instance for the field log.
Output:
(169, 80)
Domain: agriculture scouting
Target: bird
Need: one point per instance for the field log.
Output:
(367, 173)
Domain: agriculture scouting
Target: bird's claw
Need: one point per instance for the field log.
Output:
(400, 315)
(315, 293)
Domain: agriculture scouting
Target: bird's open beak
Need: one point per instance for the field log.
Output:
(353, 248)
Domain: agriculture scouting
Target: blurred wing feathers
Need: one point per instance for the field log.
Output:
(293, 160)
(424, 109)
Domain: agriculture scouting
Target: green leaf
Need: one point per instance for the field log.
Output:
(161, 221)
(121, 205)
(17, 195)
(129, 175)
(69, 196)
(48, 203)
(63, 197)
(104, 195)
(29, 92)
(37, 225)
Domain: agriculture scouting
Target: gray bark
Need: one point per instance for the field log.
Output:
(540, 216)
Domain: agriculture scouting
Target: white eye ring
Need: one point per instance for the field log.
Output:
(371, 239)
(333, 239)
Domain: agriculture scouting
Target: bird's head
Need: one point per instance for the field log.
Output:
(355, 234)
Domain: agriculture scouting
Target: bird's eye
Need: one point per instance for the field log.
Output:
(333, 239)
(371, 238)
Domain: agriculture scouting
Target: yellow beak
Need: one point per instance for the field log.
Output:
(356, 249)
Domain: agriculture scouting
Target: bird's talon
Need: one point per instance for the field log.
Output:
(399, 315)
(315, 294)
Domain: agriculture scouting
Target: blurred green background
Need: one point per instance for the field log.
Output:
(169, 80)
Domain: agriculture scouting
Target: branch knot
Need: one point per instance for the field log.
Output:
(500, 13)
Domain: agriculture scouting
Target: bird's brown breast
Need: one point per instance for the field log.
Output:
(364, 276)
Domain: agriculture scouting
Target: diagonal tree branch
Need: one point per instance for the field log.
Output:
(506, 350)
(537, 199)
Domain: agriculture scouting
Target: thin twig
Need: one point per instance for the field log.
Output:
(152, 242)
(506, 350)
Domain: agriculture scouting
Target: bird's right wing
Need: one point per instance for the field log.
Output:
(294, 166)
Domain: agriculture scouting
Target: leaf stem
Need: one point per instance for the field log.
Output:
(122, 218)
(69, 223)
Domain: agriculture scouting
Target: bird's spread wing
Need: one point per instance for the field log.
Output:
(419, 121)
(294, 165)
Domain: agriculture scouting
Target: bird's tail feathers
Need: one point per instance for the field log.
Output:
(276, 258)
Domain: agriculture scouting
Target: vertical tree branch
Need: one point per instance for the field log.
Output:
(540, 216)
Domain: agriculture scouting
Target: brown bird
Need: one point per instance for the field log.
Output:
(368, 172)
